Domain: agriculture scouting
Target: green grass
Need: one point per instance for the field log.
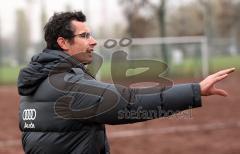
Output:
(218, 63)
(189, 68)
(105, 71)
(8, 75)
(193, 67)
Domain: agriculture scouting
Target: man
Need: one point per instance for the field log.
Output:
(63, 109)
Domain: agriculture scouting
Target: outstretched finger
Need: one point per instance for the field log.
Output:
(219, 78)
(226, 71)
(220, 92)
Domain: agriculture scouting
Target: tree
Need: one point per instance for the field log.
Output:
(0, 44)
(141, 16)
(22, 36)
(236, 31)
(43, 21)
(186, 20)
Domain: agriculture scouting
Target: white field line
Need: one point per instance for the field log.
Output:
(150, 131)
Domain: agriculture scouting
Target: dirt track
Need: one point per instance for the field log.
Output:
(213, 128)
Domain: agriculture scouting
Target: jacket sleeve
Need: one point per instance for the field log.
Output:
(94, 101)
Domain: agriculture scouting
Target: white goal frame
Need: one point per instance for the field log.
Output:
(202, 40)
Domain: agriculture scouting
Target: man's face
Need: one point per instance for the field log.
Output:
(82, 44)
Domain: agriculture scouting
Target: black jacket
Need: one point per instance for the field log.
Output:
(63, 109)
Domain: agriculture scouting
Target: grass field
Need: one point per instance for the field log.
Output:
(8, 75)
(189, 68)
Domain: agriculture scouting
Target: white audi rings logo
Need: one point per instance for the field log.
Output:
(29, 114)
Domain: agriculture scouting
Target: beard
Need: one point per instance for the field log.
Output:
(84, 57)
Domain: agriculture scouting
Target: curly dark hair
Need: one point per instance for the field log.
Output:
(59, 25)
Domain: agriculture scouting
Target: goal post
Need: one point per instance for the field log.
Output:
(201, 41)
